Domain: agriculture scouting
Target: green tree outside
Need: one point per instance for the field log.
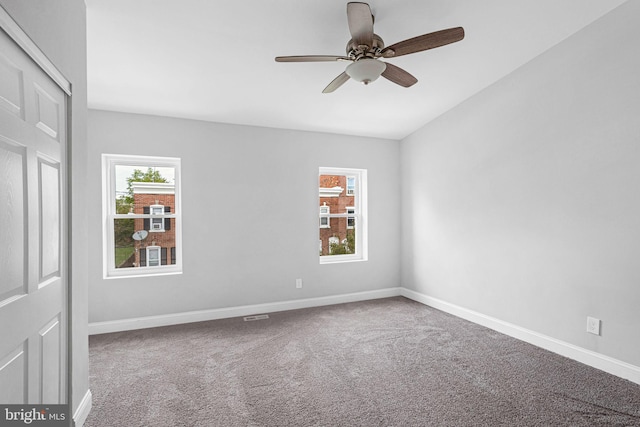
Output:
(347, 248)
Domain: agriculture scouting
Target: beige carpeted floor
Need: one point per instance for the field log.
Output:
(389, 362)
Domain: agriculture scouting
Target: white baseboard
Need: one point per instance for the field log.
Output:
(81, 414)
(588, 357)
(604, 363)
(245, 310)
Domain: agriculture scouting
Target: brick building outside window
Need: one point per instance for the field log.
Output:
(337, 234)
(159, 246)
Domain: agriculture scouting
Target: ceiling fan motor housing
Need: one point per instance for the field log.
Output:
(357, 52)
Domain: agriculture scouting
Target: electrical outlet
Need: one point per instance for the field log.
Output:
(593, 325)
(298, 283)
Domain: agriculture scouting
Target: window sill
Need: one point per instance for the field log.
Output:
(338, 259)
(151, 272)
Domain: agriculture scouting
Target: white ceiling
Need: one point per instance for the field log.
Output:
(214, 60)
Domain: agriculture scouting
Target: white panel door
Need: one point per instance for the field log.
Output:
(33, 273)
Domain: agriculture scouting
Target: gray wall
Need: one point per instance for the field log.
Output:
(250, 206)
(58, 28)
(523, 202)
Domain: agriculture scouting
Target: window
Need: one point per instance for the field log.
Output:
(324, 216)
(153, 256)
(157, 224)
(351, 185)
(141, 216)
(351, 220)
(343, 209)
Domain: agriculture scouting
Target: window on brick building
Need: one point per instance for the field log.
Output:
(351, 220)
(141, 216)
(351, 185)
(153, 256)
(324, 217)
(157, 220)
(343, 211)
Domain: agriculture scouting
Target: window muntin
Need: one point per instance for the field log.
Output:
(141, 216)
(342, 202)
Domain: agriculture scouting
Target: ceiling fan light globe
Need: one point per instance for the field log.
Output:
(366, 70)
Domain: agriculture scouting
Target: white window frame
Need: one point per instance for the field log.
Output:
(109, 215)
(360, 215)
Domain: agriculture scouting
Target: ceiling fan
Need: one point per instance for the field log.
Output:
(365, 48)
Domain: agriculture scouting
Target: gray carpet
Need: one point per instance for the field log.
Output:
(389, 362)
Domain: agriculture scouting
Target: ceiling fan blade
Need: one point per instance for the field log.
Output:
(360, 23)
(424, 42)
(312, 58)
(398, 76)
(336, 83)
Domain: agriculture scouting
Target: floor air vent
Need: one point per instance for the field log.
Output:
(256, 317)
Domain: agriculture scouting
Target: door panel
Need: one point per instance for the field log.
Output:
(33, 244)
(49, 220)
(47, 112)
(12, 250)
(11, 98)
(50, 337)
(13, 371)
